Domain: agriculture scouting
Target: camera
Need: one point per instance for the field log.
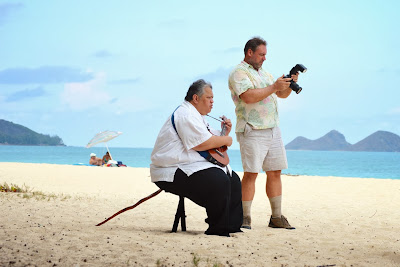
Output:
(293, 85)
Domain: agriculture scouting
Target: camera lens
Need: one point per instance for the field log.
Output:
(295, 87)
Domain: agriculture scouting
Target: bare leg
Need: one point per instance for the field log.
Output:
(248, 186)
(274, 184)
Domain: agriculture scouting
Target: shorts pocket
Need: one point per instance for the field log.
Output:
(276, 132)
(247, 129)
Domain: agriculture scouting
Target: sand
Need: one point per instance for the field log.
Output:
(339, 222)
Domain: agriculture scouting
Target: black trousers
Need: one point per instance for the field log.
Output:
(217, 192)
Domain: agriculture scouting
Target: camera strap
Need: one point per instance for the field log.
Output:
(204, 154)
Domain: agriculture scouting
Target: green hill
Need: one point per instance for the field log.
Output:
(380, 141)
(15, 134)
(331, 141)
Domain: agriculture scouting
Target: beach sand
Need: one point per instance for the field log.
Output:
(339, 222)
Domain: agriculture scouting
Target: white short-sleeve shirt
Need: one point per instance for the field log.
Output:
(172, 151)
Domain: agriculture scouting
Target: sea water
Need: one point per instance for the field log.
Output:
(320, 163)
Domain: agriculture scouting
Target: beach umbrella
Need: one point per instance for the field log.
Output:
(103, 137)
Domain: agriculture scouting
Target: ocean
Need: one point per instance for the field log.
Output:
(381, 165)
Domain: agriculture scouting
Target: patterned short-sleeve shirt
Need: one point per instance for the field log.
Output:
(260, 115)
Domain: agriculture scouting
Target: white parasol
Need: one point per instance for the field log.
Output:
(103, 137)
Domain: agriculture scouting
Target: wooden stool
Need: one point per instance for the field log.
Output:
(180, 215)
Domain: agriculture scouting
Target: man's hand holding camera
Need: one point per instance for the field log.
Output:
(295, 71)
(282, 86)
(295, 77)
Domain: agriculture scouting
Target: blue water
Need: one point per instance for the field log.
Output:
(320, 163)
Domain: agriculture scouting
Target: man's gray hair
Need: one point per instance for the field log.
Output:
(197, 88)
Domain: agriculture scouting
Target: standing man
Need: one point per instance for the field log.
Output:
(177, 166)
(255, 93)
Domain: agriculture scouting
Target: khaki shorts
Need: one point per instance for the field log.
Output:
(262, 149)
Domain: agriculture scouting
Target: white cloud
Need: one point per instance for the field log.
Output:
(86, 95)
(394, 111)
(129, 104)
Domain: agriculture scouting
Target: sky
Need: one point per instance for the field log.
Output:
(75, 68)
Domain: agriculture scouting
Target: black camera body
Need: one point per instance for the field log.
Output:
(293, 85)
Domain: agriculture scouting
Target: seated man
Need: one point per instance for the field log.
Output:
(95, 160)
(178, 168)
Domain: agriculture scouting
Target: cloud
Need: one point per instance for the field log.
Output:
(219, 74)
(42, 75)
(86, 95)
(25, 94)
(230, 50)
(128, 104)
(6, 9)
(125, 81)
(394, 111)
(102, 54)
(172, 23)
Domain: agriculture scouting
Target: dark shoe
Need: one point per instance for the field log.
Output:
(246, 222)
(231, 230)
(214, 232)
(280, 222)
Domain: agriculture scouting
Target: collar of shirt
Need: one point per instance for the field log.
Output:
(247, 65)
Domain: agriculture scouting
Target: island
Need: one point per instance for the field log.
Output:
(380, 141)
(15, 134)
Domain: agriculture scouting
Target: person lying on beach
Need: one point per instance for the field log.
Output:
(95, 160)
(106, 157)
(178, 168)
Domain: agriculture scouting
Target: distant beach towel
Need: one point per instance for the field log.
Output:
(84, 164)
